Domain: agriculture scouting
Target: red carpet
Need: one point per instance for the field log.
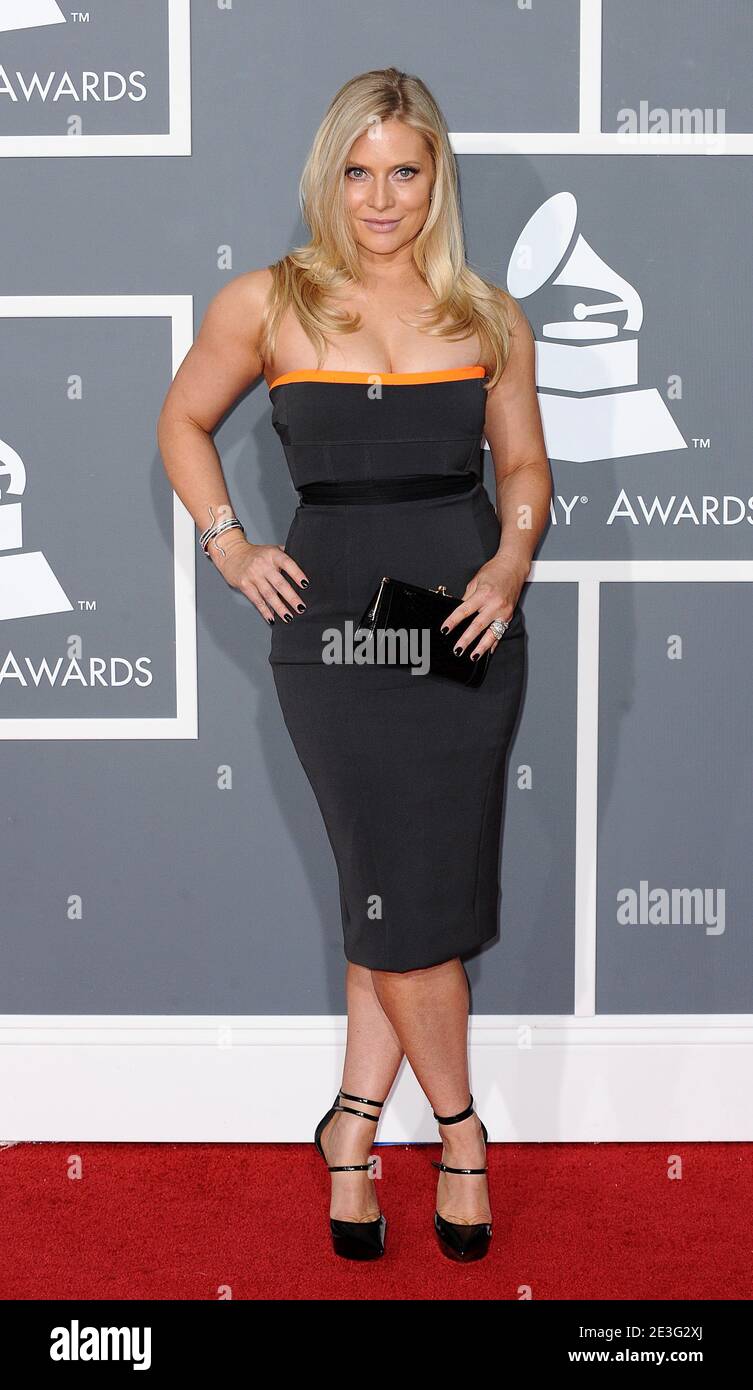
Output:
(180, 1221)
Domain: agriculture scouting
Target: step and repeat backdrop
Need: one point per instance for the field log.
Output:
(163, 853)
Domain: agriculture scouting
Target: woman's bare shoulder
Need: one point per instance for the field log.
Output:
(225, 358)
(238, 307)
(254, 285)
(516, 318)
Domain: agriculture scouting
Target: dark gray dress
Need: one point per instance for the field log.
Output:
(408, 770)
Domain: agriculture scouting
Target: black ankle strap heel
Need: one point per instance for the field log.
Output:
(353, 1240)
(459, 1242)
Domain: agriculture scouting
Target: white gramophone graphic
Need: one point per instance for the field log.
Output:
(28, 586)
(606, 414)
(29, 14)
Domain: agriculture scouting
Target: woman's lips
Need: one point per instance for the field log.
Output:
(381, 225)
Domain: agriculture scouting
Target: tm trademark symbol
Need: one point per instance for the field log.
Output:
(87, 605)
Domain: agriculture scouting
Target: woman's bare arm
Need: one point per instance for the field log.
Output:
(223, 361)
(514, 433)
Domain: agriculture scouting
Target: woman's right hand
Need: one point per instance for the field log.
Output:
(259, 572)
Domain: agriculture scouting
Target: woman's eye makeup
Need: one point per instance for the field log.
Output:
(404, 169)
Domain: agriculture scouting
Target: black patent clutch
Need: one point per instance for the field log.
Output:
(396, 608)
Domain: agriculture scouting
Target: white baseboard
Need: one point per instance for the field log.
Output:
(269, 1079)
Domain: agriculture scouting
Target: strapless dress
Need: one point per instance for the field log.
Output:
(408, 770)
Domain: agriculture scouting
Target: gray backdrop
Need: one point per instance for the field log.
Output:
(205, 898)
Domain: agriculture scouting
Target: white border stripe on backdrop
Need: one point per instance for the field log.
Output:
(219, 1080)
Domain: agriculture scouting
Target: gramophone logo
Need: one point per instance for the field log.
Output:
(29, 14)
(587, 367)
(28, 586)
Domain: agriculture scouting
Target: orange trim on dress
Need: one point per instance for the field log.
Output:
(386, 378)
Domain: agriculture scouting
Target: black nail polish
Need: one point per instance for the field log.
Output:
(458, 651)
(445, 630)
(475, 656)
(270, 621)
(288, 617)
(304, 583)
(301, 608)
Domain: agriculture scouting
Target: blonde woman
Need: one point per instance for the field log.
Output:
(387, 359)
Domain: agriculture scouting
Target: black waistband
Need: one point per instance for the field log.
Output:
(402, 489)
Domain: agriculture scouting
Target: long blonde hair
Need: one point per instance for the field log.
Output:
(305, 277)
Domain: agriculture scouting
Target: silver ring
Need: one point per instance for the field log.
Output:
(499, 627)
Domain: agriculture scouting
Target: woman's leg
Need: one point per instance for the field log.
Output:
(372, 1057)
(428, 1010)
